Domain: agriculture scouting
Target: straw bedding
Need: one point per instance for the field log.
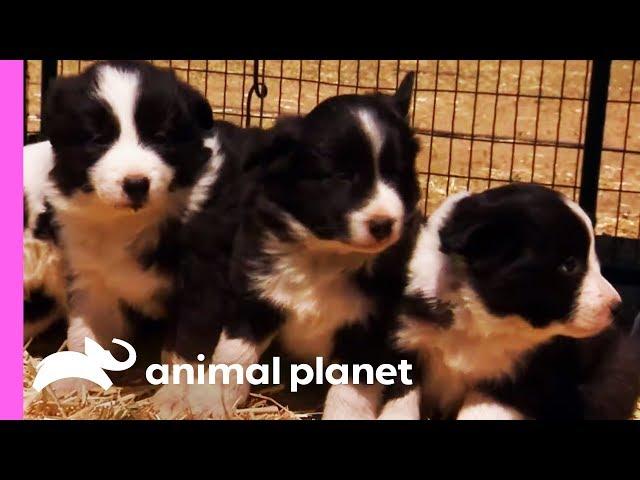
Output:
(131, 402)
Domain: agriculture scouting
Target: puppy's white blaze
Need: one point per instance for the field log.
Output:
(374, 133)
(592, 311)
(481, 407)
(406, 407)
(200, 190)
(37, 163)
(352, 402)
(427, 269)
(384, 203)
(126, 157)
(119, 89)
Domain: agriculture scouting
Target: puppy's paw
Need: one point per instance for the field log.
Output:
(405, 407)
(352, 402)
(478, 406)
(199, 401)
(168, 401)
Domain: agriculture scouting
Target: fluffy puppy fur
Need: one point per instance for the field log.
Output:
(126, 154)
(45, 297)
(508, 316)
(309, 245)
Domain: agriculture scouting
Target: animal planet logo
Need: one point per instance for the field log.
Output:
(89, 365)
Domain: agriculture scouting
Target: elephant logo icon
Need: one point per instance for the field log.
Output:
(89, 365)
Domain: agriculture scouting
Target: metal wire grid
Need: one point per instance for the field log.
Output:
(480, 123)
(33, 100)
(619, 183)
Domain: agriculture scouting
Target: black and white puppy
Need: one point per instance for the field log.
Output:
(127, 158)
(45, 293)
(310, 247)
(508, 315)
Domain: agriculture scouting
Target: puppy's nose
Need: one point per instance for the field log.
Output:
(136, 188)
(380, 228)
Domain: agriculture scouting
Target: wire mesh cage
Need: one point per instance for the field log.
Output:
(480, 123)
(619, 182)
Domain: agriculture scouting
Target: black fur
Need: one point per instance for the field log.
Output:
(524, 252)
(46, 227)
(37, 305)
(515, 241)
(431, 310)
(170, 117)
(315, 168)
(135, 317)
(165, 255)
(326, 156)
(205, 299)
(25, 211)
(576, 379)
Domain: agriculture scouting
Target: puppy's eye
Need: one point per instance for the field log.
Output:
(569, 266)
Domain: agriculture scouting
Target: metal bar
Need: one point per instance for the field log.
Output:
(49, 73)
(598, 93)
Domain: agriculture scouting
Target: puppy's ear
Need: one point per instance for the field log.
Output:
(278, 150)
(197, 105)
(402, 97)
(56, 116)
(482, 232)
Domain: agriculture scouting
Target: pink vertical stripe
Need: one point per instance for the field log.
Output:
(11, 131)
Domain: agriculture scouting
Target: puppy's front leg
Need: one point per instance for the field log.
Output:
(405, 407)
(94, 316)
(352, 402)
(215, 397)
(479, 406)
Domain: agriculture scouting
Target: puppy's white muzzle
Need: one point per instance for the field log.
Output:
(596, 303)
(378, 224)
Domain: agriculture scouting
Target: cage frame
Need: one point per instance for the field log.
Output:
(616, 270)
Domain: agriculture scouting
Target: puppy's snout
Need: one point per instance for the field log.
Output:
(381, 227)
(136, 188)
(610, 294)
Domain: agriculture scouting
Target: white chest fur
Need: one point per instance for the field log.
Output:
(476, 347)
(104, 258)
(318, 295)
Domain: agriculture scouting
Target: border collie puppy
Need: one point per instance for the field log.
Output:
(509, 317)
(126, 155)
(45, 295)
(312, 251)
